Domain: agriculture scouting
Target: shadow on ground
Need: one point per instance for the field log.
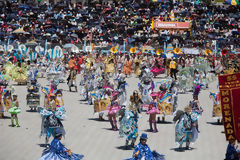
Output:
(6, 117)
(215, 123)
(43, 145)
(97, 119)
(164, 122)
(124, 148)
(109, 129)
(29, 110)
(182, 149)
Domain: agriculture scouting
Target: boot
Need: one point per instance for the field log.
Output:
(46, 140)
(197, 128)
(133, 143)
(101, 118)
(150, 124)
(126, 145)
(187, 145)
(115, 128)
(155, 126)
(111, 122)
(180, 147)
(12, 122)
(16, 119)
(76, 89)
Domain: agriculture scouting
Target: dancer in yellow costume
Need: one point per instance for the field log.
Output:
(109, 65)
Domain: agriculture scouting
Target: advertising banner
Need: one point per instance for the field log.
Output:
(170, 25)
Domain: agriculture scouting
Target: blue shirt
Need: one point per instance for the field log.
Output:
(144, 151)
(231, 153)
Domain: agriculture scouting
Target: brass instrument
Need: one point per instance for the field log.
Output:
(133, 50)
(159, 51)
(177, 50)
(207, 52)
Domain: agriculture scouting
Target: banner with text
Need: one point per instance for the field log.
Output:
(170, 25)
(229, 86)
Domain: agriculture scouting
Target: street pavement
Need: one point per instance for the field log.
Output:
(94, 139)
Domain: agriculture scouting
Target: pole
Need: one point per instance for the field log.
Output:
(84, 47)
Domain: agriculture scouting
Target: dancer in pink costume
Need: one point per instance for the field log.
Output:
(153, 111)
(112, 110)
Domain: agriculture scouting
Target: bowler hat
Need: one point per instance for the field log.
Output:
(144, 136)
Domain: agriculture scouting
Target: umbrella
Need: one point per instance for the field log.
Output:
(47, 34)
(73, 29)
(54, 36)
(31, 43)
(74, 35)
(24, 7)
(9, 30)
(20, 31)
(69, 45)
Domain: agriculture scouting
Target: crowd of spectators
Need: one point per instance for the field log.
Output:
(105, 24)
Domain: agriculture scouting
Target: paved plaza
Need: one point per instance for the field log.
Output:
(94, 139)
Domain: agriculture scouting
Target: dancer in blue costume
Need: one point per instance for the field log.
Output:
(143, 152)
(185, 130)
(57, 151)
(128, 127)
(232, 151)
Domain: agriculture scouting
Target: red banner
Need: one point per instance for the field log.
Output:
(229, 86)
(170, 25)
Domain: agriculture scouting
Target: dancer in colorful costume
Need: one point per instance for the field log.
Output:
(174, 97)
(58, 151)
(233, 153)
(146, 86)
(60, 108)
(135, 104)
(112, 110)
(127, 69)
(143, 152)
(109, 65)
(2, 106)
(51, 114)
(14, 110)
(137, 68)
(153, 111)
(121, 89)
(42, 66)
(50, 122)
(164, 101)
(157, 69)
(17, 73)
(33, 96)
(71, 80)
(195, 106)
(217, 111)
(128, 127)
(185, 130)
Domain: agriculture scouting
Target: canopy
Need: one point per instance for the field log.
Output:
(20, 31)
